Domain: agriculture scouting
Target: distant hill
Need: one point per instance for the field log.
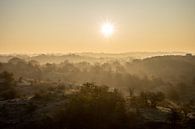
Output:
(171, 68)
(87, 56)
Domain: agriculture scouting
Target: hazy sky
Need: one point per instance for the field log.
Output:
(50, 26)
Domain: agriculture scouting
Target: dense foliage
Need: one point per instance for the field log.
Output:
(137, 95)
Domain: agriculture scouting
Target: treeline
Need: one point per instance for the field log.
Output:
(173, 75)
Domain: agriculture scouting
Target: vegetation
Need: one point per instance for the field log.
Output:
(7, 83)
(56, 96)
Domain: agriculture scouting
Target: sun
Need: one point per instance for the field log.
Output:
(107, 29)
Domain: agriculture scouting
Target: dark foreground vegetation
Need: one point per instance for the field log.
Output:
(142, 94)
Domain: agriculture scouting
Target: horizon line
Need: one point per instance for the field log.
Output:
(89, 52)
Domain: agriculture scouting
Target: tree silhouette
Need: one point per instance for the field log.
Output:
(95, 107)
(174, 118)
(7, 83)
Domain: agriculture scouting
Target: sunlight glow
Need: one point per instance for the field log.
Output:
(107, 29)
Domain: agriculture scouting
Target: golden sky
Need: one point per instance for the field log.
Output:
(55, 26)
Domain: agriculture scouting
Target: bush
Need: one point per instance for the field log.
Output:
(95, 107)
(7, 84)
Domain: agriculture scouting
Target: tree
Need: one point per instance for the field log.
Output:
(131, 92)
(174, 118)
(7, 83)
(95, 107)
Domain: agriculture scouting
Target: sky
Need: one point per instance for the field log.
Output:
(64, 26)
